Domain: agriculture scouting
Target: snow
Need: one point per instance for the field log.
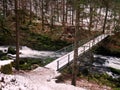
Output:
(5, 62)
(38, 79)
(3, 49)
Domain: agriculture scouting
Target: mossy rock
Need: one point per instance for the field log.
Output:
(6, 69)
(11, 50)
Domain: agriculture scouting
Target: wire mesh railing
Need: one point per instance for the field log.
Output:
(66, 59)
(68, 55)
(70, 48)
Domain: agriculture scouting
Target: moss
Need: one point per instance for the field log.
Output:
(4, 57)
(116, 71)
(28, 63)
(25, 66)
(116, 88)
(44, 42)
(109, 46)
(46, 61)
(6, 69)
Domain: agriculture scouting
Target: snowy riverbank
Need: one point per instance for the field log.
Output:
(38, 79)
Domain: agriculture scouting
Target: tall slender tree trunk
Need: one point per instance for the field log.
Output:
(52, 15)
(72, 16)
(23, 10)
(99, 14)
(17, 35)
(63, 12)
(74, 68)
(57, 11)
(91, 16)
(66, 12)
(4, 8)
(105, 20)
(30, 11)
(42, 15)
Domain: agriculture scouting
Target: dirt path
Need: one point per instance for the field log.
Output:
(44, 79)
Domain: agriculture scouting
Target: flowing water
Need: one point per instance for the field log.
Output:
(26, 52)
(102, 63)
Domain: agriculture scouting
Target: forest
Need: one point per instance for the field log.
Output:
(50, 25)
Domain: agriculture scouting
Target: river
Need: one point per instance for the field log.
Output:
(26, 52)
(101, 63)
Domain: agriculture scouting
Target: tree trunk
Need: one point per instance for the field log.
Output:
(4, 8)
(30, 11)
(74, 68)
(42, 15)
(63, 12)
(17, 35)
(105, 20)
(91, 16)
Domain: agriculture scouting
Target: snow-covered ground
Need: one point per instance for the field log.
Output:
(38, 79)
(5, 62)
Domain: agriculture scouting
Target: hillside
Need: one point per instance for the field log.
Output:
(110, 46)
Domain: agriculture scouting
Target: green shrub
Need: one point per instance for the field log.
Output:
(4, 57)
(6, 69)
(116, 71)
(11, 50)
(116, 88)
(47, 60)
(25, 66)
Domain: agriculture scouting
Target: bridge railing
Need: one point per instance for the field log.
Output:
(66, 59)
(70, 48)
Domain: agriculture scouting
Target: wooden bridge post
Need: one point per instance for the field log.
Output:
(68, 59)
(65, 49)
(101, 37)
(97, 39)
(83, 49)
(55, 55)
(92, 42)
(72, 46)
(89, 45)
(104, 35)
(57, 65)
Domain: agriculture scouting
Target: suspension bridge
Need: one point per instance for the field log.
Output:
(67, 56)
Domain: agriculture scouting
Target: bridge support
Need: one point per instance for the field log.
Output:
(57, 65)
(68, 59)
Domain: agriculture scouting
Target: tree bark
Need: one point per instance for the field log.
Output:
(91, 17)
(105, 20)
(42, 15)
(74, 68)
(17, 35)
(30, 11)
